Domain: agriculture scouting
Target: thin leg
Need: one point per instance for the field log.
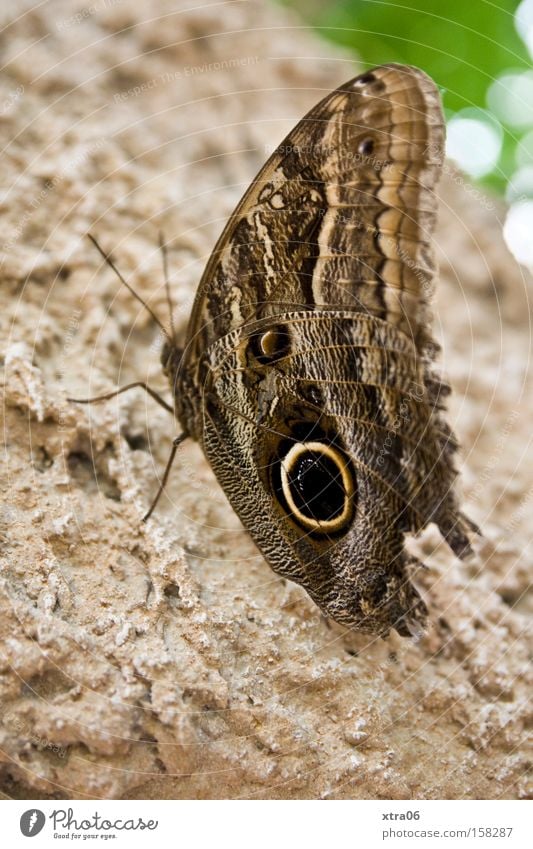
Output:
(176, 443)
(144, 386)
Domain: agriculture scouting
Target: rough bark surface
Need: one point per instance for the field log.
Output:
(167, 660)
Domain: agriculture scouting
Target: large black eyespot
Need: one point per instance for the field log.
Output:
(317, 483)
(370, 80)
(271, 344)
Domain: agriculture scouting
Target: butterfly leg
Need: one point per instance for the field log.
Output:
(175, 445)
(144, 386)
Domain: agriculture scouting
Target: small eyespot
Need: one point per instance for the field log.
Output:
(271, 345)
(364, 79)
(318, 487)
(366, 146)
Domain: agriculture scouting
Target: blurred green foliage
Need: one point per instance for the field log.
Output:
(463, 44)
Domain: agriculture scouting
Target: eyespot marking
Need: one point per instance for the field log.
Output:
(318, 487)
(366, 146)
(271, 345)
(364, 79)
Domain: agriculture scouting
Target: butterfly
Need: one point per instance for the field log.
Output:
(307, 371)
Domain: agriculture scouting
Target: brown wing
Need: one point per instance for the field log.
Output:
(340, 216)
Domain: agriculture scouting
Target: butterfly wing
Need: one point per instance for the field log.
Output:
(307, 371)
(341, 215)
(331, 449)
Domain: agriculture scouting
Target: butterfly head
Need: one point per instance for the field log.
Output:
(170, 358)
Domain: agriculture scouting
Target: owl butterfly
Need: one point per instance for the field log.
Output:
(306, 374)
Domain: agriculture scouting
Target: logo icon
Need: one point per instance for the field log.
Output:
(32, 822)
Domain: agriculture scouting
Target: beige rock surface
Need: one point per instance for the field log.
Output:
(167, 660)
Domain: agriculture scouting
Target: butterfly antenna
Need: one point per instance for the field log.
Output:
(164, 253)
(112, 265)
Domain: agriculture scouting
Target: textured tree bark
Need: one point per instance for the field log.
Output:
(167, 660)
